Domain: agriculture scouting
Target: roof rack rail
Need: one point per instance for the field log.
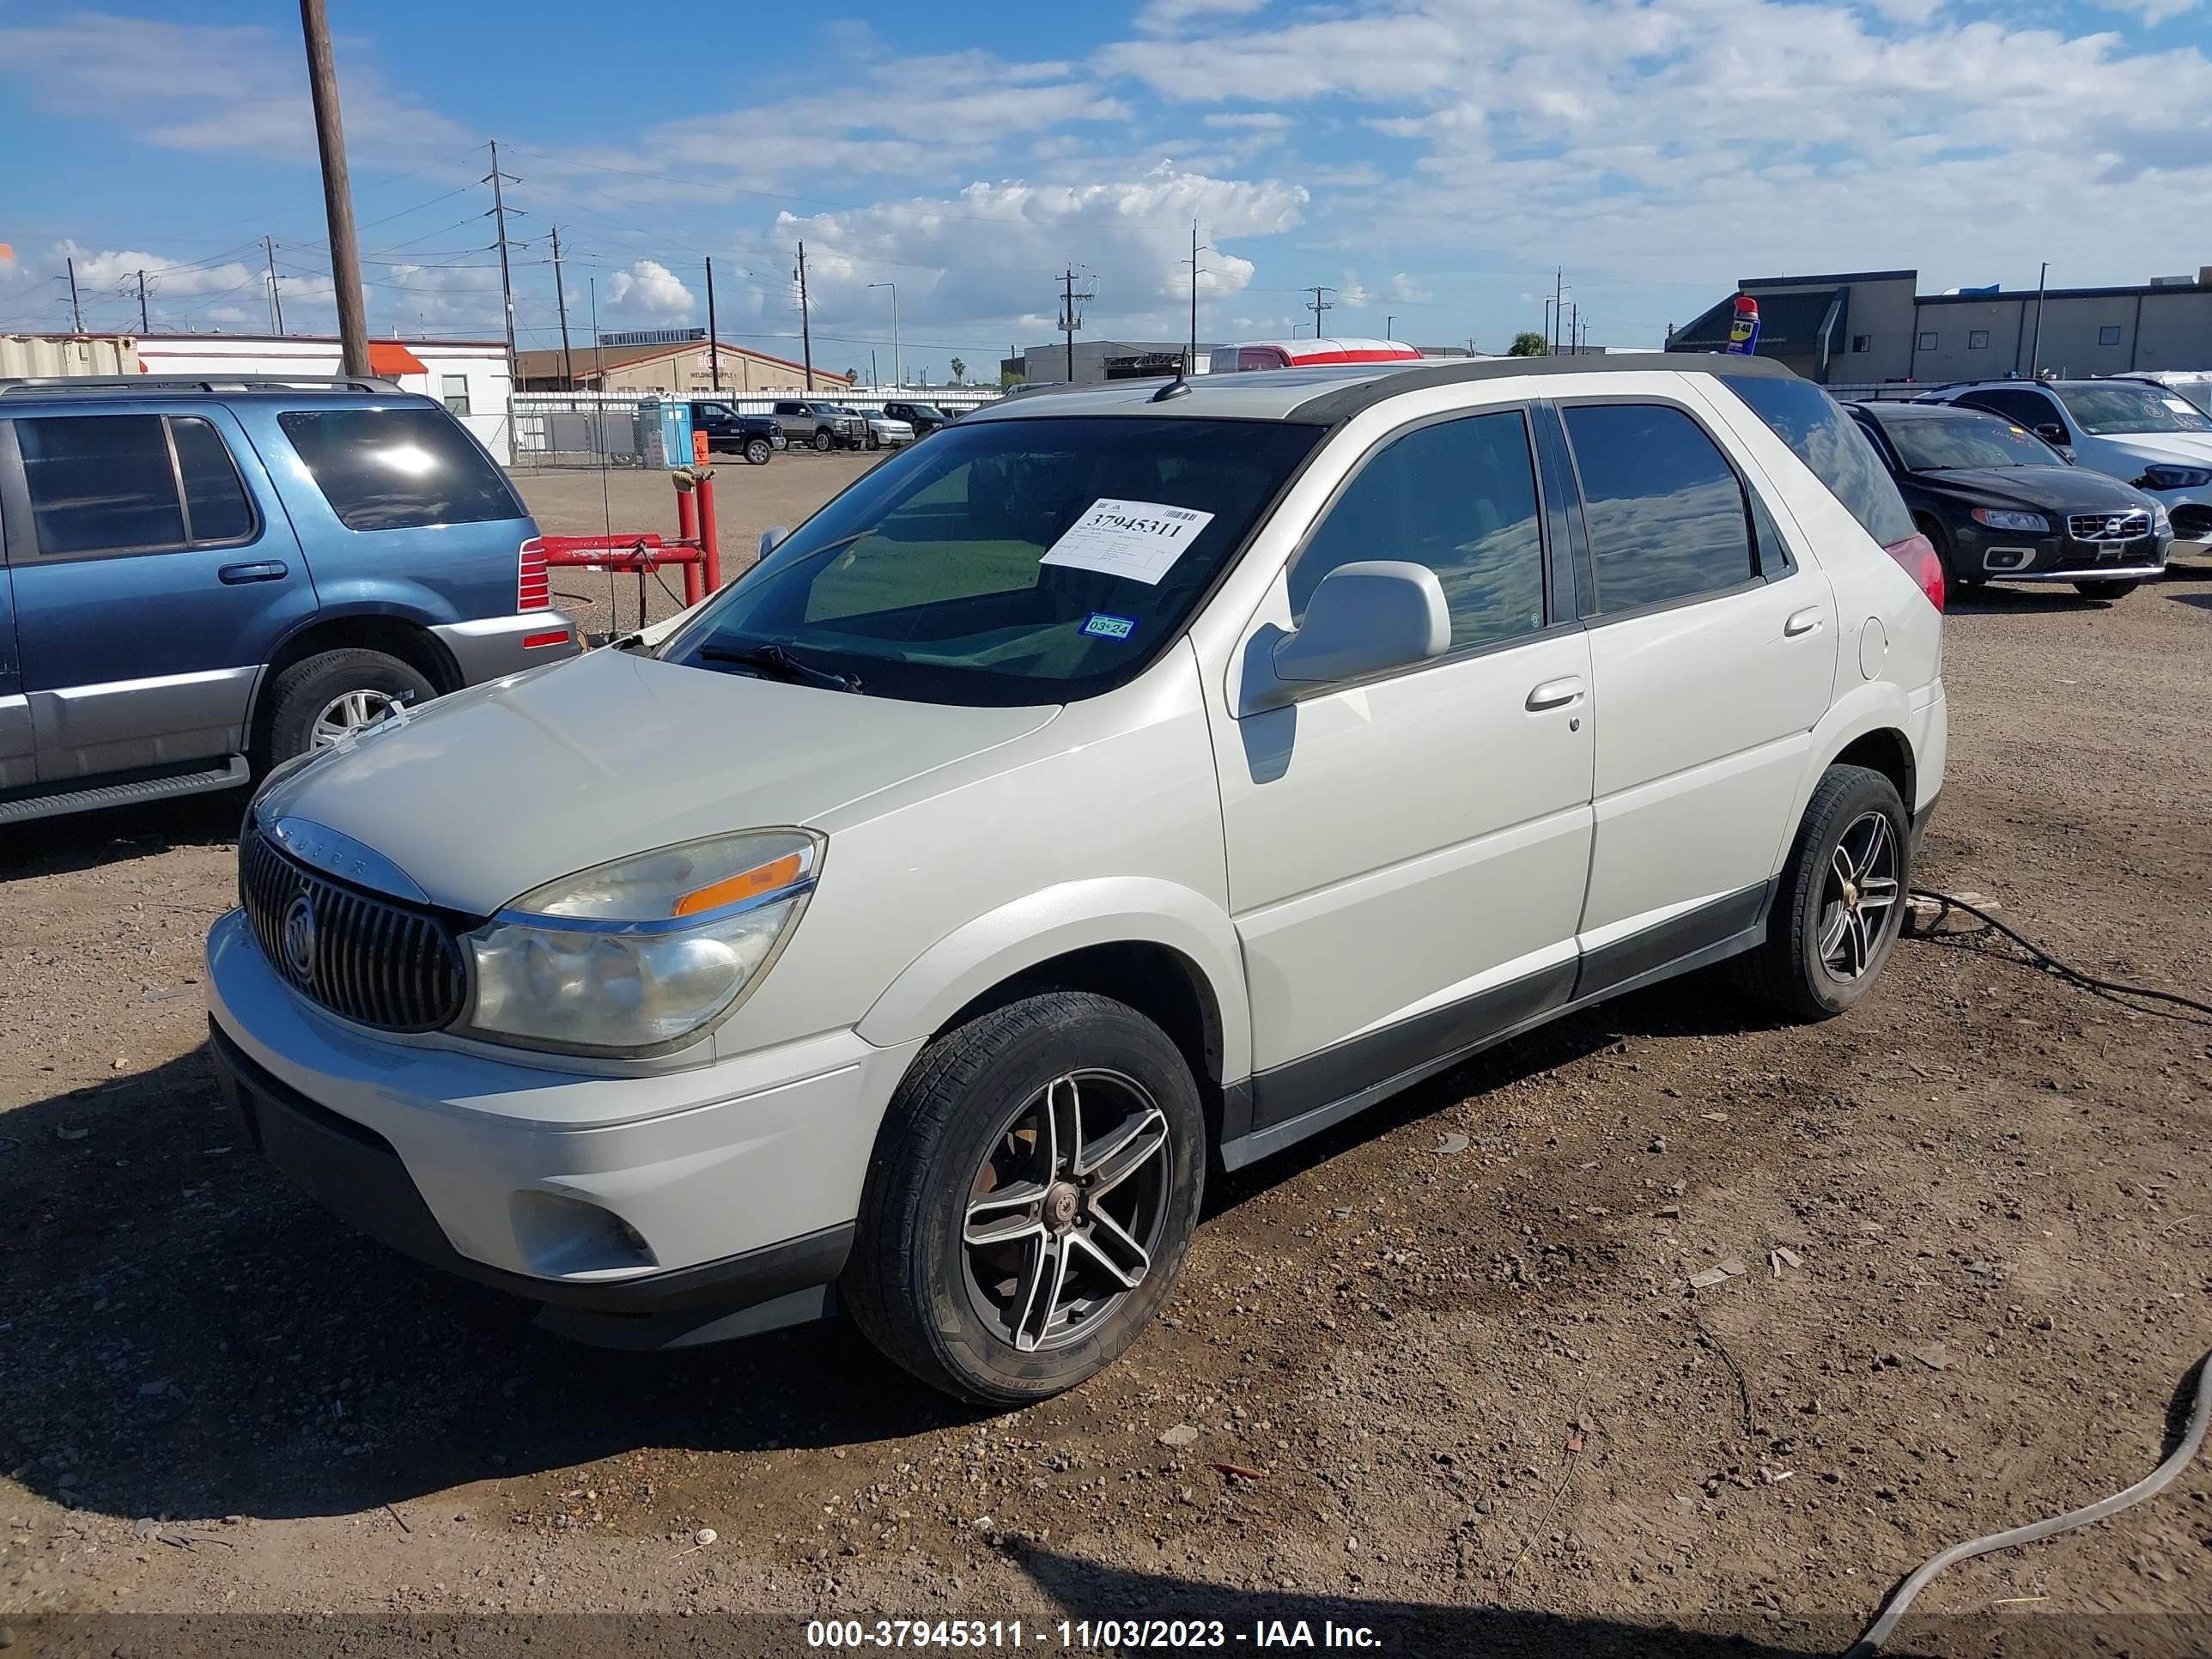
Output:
(91, 383)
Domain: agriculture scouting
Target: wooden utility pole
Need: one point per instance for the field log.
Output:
(713, 341)
(805, 327)
(145, 327)
(1071, 319)
(1319, 305)
(560, 305)
(75, 310)
(337, 191)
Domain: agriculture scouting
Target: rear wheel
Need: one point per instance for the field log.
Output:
(1033, 1191)
(823, 441)
(874, 442)
(2105, 591)
(1841, 901)
(758, 451)
(323, 699)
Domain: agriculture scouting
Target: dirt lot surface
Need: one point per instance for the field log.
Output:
(1441, 1372)
(579, 502)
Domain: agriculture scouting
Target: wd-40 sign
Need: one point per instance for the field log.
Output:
(1743, 328)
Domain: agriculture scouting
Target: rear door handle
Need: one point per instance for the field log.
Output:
(268, 570)
(1802, 621)
(1556, 693)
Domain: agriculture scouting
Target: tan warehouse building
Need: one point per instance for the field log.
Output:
(687, 368)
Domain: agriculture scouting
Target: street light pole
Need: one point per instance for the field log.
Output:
(898, 364)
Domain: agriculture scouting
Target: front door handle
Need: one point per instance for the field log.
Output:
(1802, 623)
(268, 570)
(1556, 693)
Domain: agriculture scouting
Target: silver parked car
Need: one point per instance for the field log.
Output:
(1121, 787)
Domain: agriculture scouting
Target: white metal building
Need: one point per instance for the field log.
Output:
(468, 376)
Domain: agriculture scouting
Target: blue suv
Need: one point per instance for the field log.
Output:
(199, 580)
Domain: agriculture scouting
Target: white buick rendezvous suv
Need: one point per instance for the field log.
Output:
(1124, 785)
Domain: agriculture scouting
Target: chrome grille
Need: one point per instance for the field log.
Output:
(2109, 527)
(390, 966)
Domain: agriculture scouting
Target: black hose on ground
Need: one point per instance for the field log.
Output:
(1885, 1626)
(2065, 970)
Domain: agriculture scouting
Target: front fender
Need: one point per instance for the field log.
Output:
(1053, 921)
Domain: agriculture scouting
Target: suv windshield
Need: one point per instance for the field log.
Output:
(928, 411)
(1929, 442)
(1009, 562)
(2104, 410)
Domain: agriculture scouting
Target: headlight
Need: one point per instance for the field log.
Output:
(2161, 521)
(2175, 478)
(1997, 517)
(643, 954)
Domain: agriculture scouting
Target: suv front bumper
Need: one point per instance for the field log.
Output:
(653, 1210)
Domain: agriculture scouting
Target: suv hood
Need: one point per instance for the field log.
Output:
(2044, 489)
(2190, 448)
(489, 793)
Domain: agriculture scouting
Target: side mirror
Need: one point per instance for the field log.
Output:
(2053, 433)
(1363, 619)
(770, 537)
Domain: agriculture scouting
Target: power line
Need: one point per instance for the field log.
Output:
(1319, 305)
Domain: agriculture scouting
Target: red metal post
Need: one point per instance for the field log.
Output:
(687, 530)
(710, 550)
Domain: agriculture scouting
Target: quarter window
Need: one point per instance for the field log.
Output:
(1839, 454)
(398, 469)
(1460, 497)
(112, 484)
(1665, 511)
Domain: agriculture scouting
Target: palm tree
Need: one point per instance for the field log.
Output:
(959, 372)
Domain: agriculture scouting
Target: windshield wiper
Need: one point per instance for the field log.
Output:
(774, 662)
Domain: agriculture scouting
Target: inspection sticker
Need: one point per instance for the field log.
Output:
(1103, 627)
(1140, 540)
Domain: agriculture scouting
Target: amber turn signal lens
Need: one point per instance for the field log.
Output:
(760, 878)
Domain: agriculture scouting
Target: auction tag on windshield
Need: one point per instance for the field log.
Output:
(1140, 540)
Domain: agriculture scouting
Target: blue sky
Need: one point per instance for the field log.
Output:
(1431, 160)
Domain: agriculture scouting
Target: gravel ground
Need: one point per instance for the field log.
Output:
(1441, 1372)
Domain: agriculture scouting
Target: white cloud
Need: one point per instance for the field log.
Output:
(1166, 16)
(987, 260)
(650, 289)
(1406, 291)
(205, 87)
(1257, 120)
(118, 268)
(2153, 12)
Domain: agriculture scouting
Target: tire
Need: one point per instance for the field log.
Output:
(964, 1124)
(1790, 973)
(307, 694)
(874, 442)
(1939, 538)
(824, 440)
(2106, 590)
(757, 452)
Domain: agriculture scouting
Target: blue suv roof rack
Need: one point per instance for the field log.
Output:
(45, 383)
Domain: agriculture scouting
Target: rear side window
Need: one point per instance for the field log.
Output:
(398, 469)
(1664, 510)
(1460, 497)
(1827, 440)
(112, 484)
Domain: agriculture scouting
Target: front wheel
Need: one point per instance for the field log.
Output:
(824, 443)
(1841, 900)
(2105, 591)
(1032, 1193)
(327, 698)
(758, 451)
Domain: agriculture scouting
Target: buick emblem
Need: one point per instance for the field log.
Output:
(299, 939)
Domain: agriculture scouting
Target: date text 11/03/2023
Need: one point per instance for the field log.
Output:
(1094, 1635)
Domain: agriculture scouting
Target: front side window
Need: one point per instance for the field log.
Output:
(1003, 562)
(2029, 409)
(1458, 496)
(1665, 511)
(1841, 456)
(131, 483)
(398, 469)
